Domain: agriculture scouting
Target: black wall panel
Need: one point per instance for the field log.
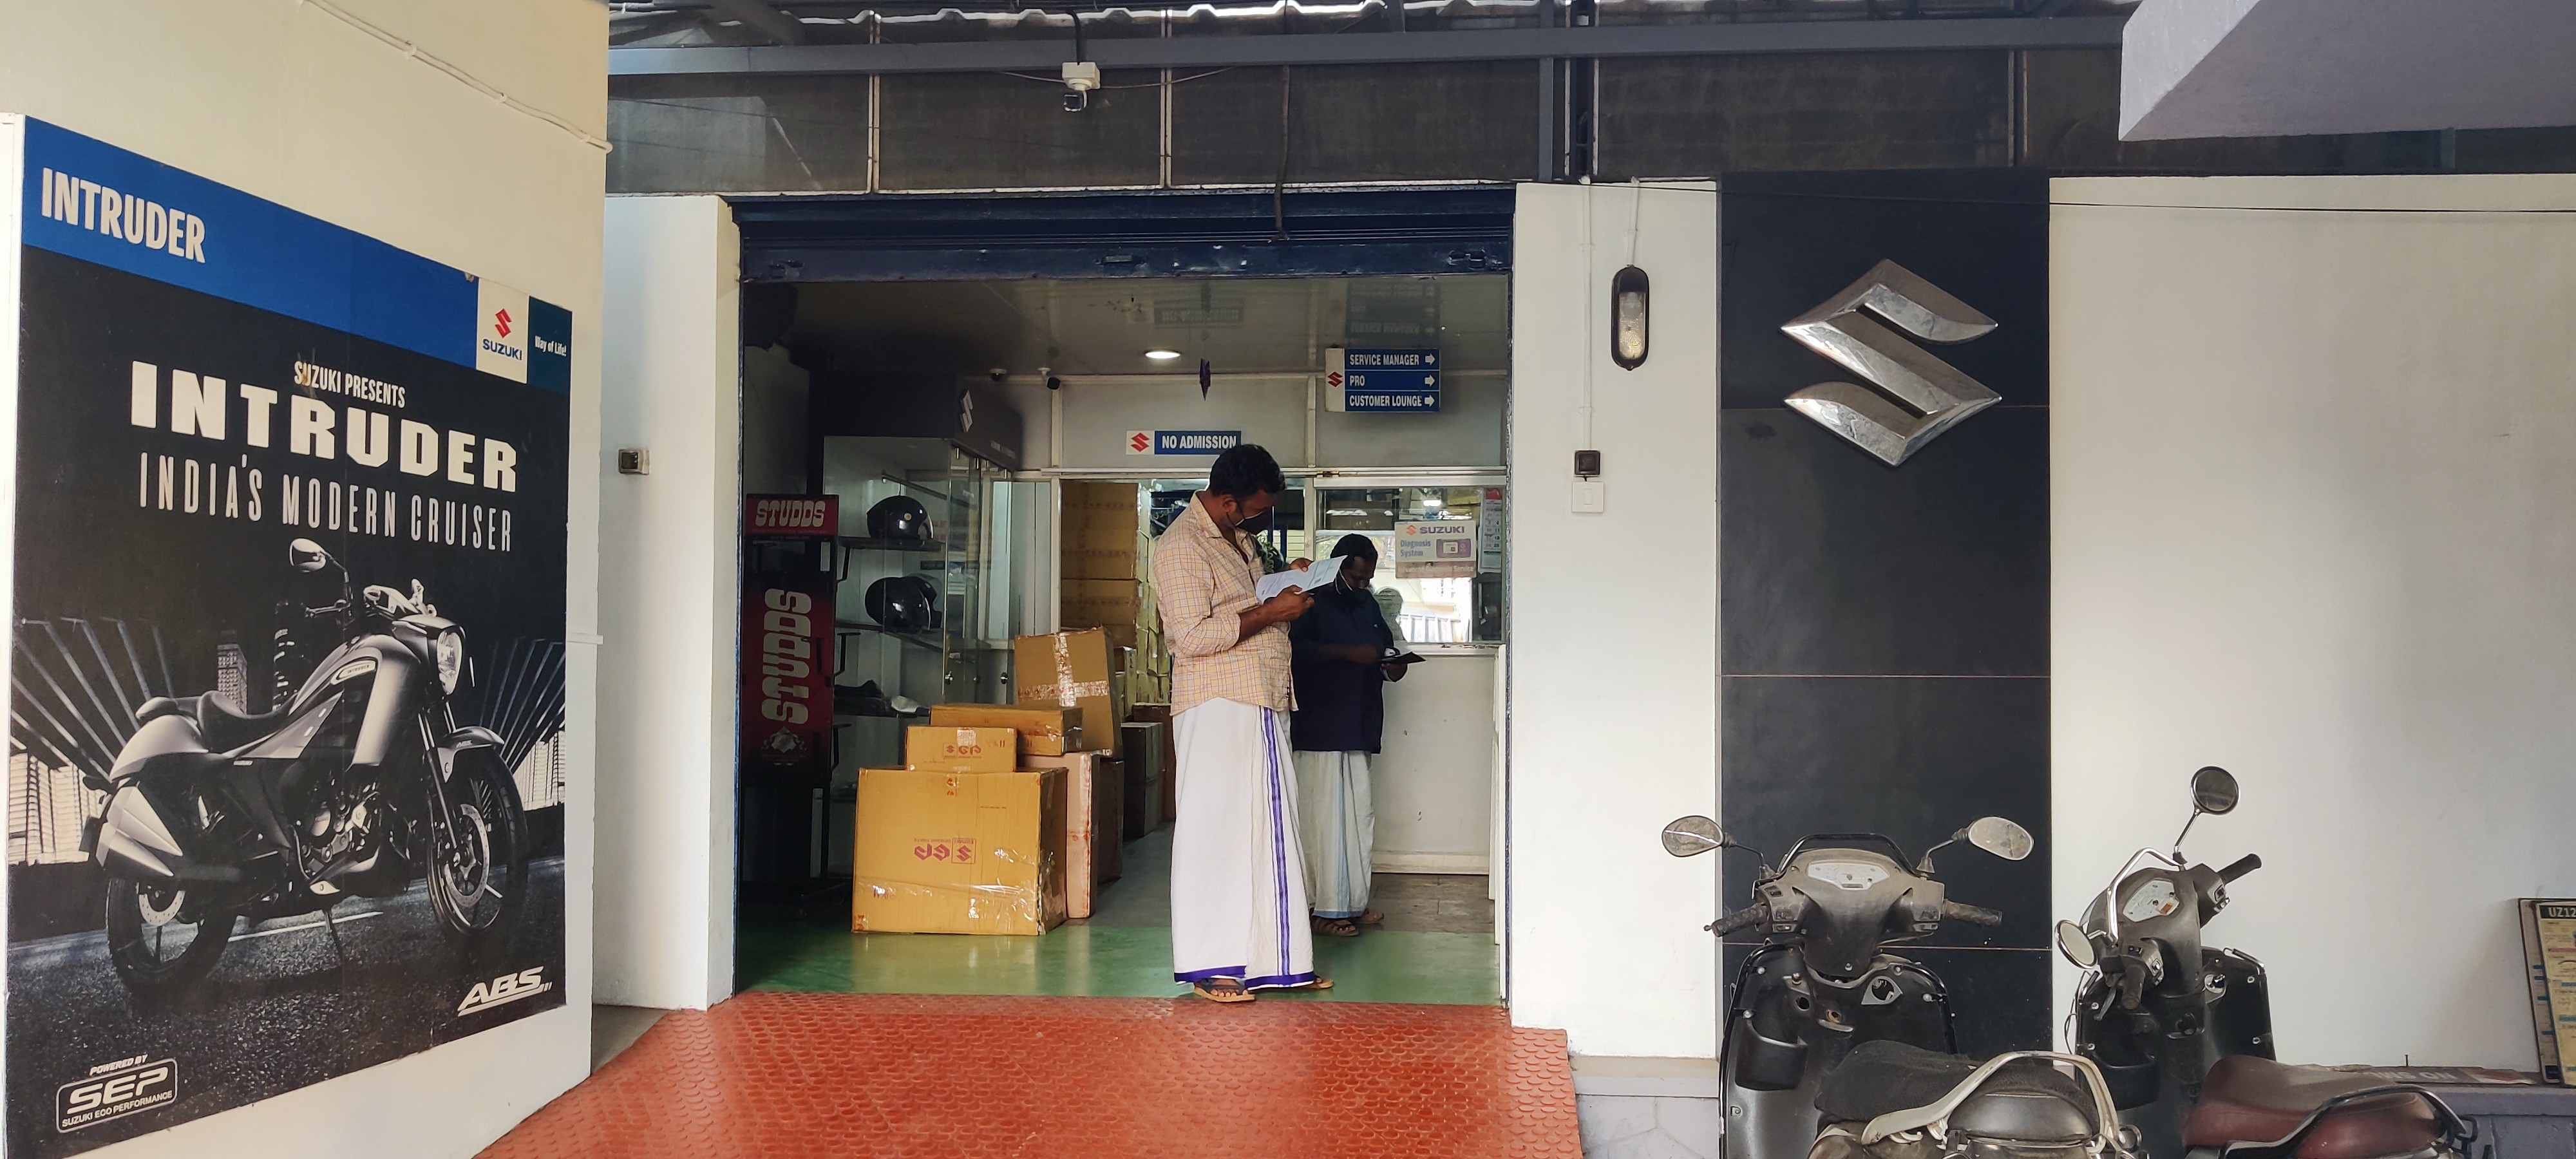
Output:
(982, 131)
(1676, 116)
(1885, 628)
(1414, 122)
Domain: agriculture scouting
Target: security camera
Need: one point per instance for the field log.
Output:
(1080, 78)
(1052, 382)
(998, 373)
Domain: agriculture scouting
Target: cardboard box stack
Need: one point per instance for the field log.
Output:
(950, 749)
(1160, 715)
(1096, 559)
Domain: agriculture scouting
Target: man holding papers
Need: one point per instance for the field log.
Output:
(1238, 876)
(1343, 651)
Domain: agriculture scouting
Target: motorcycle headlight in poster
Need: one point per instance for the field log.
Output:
(286, 674)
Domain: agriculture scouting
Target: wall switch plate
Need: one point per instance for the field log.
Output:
(634, 461)
(1588, 497)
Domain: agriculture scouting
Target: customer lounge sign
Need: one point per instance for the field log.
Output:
(286, 673)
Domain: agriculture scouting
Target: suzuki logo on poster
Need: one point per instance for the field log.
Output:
(1435, 548)
(1182, 442)
(1939, 395)
(501, 345)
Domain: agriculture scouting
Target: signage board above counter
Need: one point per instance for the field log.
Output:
(1382, 381)
(1182, 442)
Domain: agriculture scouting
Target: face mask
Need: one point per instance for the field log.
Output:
(1258, 523)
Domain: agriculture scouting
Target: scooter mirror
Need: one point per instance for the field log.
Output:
(2078, 947)
(306, 555)
(1692, 836)
(2213, 790)
(2000, 837)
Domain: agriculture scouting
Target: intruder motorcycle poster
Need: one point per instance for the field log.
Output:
(285, 677)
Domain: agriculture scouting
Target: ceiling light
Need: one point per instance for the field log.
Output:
(1162, 355)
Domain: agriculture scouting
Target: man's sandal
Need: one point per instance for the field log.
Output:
(1318, 982)
(1370, 918)
(1221, 990)
(1336, 927)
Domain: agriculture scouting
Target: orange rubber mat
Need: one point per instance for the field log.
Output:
(778, 1075)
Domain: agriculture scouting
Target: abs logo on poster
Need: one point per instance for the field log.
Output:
(505, 989)
(1939, 395)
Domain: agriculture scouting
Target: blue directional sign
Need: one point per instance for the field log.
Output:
(1385, 381)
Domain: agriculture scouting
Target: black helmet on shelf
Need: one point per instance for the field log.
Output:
(904, 603)
(901, 517)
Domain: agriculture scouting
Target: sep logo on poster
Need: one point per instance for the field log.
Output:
(507, 988)
(114, 1090)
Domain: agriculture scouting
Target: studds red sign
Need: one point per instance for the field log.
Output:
(787, 656)
(791, 516)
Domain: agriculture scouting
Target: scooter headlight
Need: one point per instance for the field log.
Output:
(449, 650)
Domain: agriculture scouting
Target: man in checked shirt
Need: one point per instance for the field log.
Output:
(1238, 878)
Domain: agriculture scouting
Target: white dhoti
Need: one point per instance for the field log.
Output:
(1238, 881)
(1338, 830)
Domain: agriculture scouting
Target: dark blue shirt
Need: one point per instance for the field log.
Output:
(1341, 706)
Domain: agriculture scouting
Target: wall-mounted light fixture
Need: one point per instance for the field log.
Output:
(1628, 318)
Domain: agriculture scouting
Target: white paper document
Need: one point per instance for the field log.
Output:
(1320, 574)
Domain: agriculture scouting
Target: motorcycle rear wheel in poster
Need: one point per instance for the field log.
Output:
(158, 945)
(478, 863)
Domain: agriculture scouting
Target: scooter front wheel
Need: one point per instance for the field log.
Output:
(157, 943)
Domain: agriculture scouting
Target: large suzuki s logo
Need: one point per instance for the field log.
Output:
(115, 1090)
(507, 988)
(1936, 396)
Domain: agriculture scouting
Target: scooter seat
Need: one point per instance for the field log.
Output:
(2027, 1100)
(224, 728)
(2247, 1099)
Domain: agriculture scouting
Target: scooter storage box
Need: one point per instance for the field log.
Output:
(1768, 1064)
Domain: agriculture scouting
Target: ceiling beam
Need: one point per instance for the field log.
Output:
(1915, 35)
(760, 17)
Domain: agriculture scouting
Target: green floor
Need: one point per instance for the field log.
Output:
(1437, 946)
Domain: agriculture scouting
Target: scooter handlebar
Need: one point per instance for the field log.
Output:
(2240, 867)
(1973, 915)
(1748, 916)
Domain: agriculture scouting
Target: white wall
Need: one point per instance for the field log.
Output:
(1432, 784)
(1613, 627)
(672, 383)
(2311, 491)
(293, 103)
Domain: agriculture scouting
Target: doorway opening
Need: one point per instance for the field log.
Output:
(980, 439)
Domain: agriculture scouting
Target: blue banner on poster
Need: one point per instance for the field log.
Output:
(90, 200)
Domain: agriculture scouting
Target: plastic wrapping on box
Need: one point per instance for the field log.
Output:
(959, 853)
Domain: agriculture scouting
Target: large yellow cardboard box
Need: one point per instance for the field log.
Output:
(947, 748)
(959, 853)
(1045, 730)
(1096, 536)
(1095, 803)
(1069, 669)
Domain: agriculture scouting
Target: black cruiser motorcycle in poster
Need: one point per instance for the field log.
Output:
(286, 644)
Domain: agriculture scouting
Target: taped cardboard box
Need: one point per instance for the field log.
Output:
(1096, 534)
(959, 853)
(1095, 802)
(1140, 749)
(1045, 730)
(950, 749)
(1070, 670)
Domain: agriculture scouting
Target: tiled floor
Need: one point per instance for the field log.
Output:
(1437, 946)
(783, 1075)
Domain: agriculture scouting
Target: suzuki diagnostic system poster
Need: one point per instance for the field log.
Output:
(286, 647)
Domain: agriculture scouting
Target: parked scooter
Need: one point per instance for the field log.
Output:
(2182, 1032)
(360, 780)
(1822, 987)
